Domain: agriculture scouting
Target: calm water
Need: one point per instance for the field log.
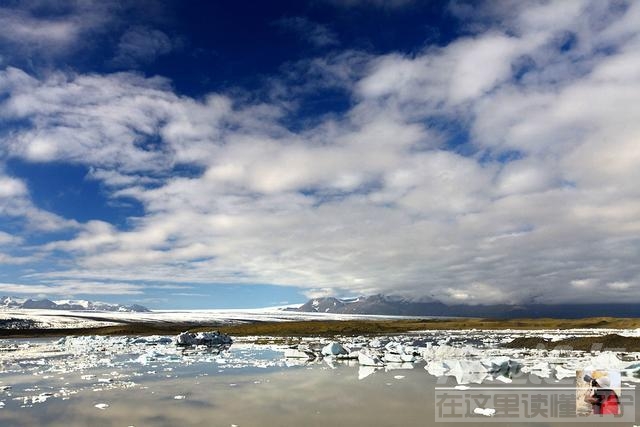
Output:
(215, 394)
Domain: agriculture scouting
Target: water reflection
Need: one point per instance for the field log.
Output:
(311, 394)
(147, 384)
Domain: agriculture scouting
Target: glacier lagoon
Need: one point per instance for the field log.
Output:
(148, 381)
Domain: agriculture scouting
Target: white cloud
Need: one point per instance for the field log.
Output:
(619, 286)
(540, 203)
(71, 288)
(9, 242)
(480, 64)
(30, 35)
(22, 28)
(102, 121)
(583, 283)
(7, 238)
(446, 77)
(525, 176)
(11, 187)
(17, 209)
(8, 259)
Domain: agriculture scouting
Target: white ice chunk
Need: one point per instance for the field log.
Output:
(334, 349)
(294, 353)
(369, 359)
(396, 366)
(375, 343)
(562, 372)
(487, 412)
(392, 358)
(436, 368)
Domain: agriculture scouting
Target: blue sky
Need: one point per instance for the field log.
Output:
(246, 154)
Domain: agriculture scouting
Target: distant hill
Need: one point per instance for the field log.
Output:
(397, 306)
(77, 305)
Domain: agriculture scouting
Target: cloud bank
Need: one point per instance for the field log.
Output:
(502, 167)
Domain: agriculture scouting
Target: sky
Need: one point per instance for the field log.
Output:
(184, 154)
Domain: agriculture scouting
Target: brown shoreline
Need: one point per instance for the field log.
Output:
(328, 327)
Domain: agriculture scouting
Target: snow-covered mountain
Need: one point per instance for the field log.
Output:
(398, 306)
(82, 305)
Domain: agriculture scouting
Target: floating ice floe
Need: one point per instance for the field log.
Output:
(334, 349)
(152, 340)
(398, 358)
(468, 356)
(369, 359)
(209, 339)
(437, 368)
(474, 371)
(41, 398)
(295, 353)
(562, 372)
(539, 369)
(398, 366)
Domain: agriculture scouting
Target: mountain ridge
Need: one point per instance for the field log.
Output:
(8, 302)
(394, 305)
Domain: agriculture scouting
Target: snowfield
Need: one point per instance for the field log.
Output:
(92, 319)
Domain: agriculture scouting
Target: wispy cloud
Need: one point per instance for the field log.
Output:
(141, 45)
(31, 34)
(71, 288)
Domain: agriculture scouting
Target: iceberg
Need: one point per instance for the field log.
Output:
(334, 349)
(209, 339)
